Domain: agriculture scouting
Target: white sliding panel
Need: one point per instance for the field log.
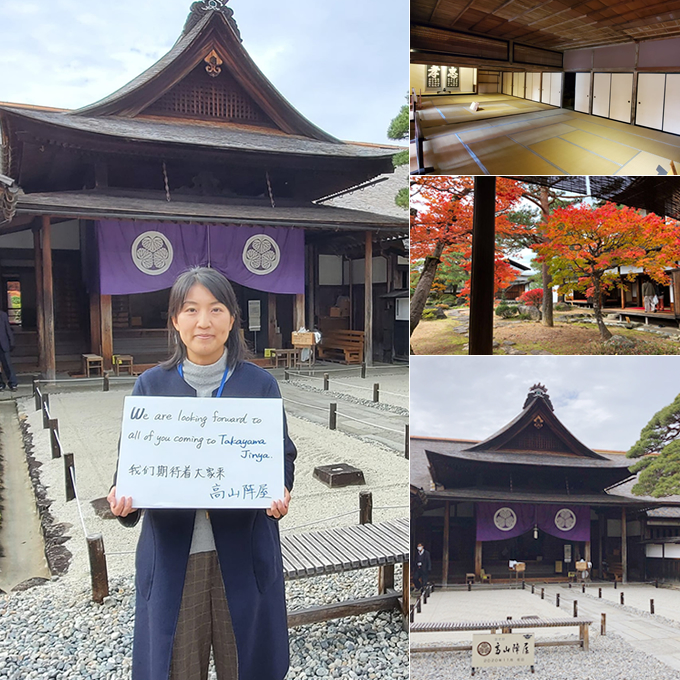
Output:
(535, 86)
(518, 85)
(556, 89)
(507, 83)
(545, 88)
(671, 116)
(582, 99)
(621, 97)
(523, 85)
(601, 87)
(649, 111)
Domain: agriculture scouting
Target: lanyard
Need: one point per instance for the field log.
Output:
(225, 377)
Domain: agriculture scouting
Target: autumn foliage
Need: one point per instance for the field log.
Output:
(585, 246)
(532, 298)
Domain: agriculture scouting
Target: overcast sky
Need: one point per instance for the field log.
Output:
(603, 401)
(343, 65)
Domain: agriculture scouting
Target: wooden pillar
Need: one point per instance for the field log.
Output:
(48, 300)
(675, 285)
(586, 552)
(271, 320)
(368, 301)
(106, 331)
(39, 310)
(624, 547)
(95, 323)
(482, 273)
(299, 313)
(478, 560)
(600, 542)
(447, 537)
(310, 269)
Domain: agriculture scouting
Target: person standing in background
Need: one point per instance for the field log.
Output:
(6, 346)
(423, 568)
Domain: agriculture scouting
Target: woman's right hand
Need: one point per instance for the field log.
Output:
(120, 507)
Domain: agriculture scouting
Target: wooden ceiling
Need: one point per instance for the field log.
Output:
(554, 24)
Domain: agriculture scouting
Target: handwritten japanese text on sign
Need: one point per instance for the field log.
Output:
(510, 649)
(185, 452)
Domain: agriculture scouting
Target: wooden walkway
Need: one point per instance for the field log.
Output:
(344, 549)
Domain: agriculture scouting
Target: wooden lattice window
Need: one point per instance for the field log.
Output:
(532, 439)
(202, 96)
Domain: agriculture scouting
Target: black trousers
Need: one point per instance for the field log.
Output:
(8, 371)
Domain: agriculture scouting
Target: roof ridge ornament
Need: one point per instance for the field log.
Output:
(538, 391)
(199, 9)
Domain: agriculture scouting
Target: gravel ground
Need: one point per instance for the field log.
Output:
(610, 658)
(55, 631)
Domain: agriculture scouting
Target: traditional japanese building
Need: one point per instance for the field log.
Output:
(199, 160)
(532, 493)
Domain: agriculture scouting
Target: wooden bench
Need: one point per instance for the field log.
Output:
(505, 626)
(92, 362)
(347, 346)
(344, 549)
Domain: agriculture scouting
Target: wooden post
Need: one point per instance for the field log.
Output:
(575, 608)
(48, 300)
(600, 543)
(376, 392)
(622, 599)
(325, 381)
(106, 331)
(557, 599)
(45, 406)
(365, 507)
(447, 537)
(651, 606)
(482, 284)
(40, 301)
(333, 417)
(385, 578)
(406, 441)
(70, 486)
(405, 588)
(368, 300)
(95, 324)
(603, 625)
(585, 636)
(105, 383)
(271, 320)
(98, 572)
(54, 438)
(299, 312)
(586, 553)
(478, 559)
(624, 547)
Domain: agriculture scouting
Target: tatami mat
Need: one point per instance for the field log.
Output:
(540, 139)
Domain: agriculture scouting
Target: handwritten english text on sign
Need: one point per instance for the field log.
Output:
(186, 452)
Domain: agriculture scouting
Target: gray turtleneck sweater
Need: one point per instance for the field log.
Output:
(205, 380)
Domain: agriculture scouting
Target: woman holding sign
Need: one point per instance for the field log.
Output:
(208, 580)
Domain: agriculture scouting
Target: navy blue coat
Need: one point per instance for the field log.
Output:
(248, 548)
(6, 334)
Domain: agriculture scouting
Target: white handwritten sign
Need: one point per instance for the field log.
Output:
(185, 452)
(508, 649)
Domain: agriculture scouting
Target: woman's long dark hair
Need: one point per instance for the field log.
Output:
(219, 286)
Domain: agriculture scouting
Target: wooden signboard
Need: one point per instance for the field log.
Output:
(510, 649)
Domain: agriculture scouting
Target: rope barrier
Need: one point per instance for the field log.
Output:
(380, 427)
(75, 490)
(320, 408)
(358, 387)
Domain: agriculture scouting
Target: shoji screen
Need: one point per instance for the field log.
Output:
(545, 88)
(650, 92)
(582, 100)
(671, 116)
(621, 96)
(601, 87)
(556, 89)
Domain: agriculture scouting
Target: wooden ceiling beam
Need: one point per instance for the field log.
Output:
(460, 14)
(436, 7)
(507, 3)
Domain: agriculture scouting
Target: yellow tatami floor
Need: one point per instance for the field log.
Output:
(512, 136)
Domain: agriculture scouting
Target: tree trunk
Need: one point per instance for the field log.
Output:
(597, 307)
(422, 291)
(547, 306)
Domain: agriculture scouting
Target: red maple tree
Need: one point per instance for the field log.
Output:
(442, 209)
(585, 245)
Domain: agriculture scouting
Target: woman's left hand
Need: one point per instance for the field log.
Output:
(279, 509)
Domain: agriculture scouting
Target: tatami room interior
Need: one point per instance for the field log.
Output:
(562, 86)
